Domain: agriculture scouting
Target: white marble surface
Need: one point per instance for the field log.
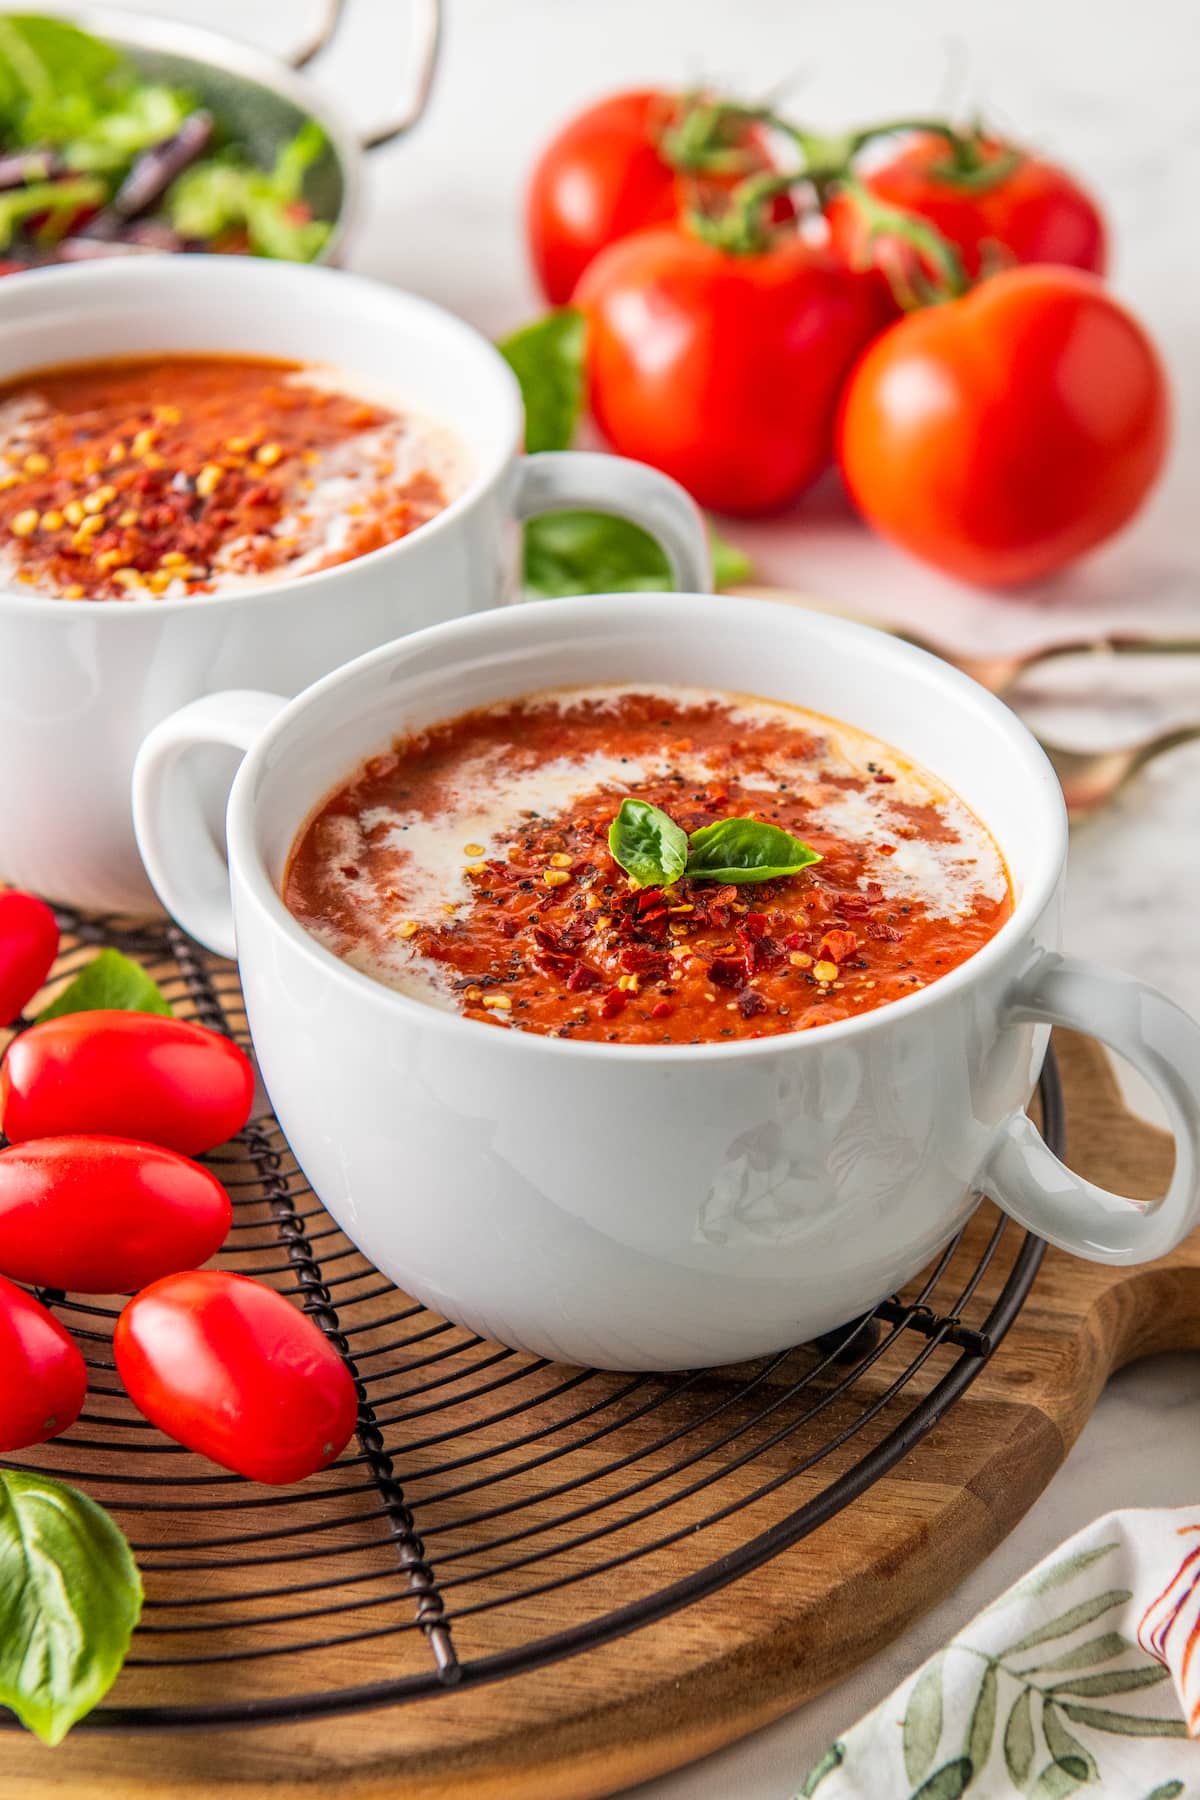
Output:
(1111, 89)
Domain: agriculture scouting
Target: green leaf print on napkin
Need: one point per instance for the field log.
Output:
(949, 1783)
(1035, 1716)
(923, 1721)
(1019, 1742)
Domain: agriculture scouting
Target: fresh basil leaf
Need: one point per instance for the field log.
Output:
(597, 553)
(547, 360)
(650, 847)
(110, 981)
(70, 1596)
(736, 850)
(590, 553)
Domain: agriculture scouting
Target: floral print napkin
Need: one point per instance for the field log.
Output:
(1084, 1676)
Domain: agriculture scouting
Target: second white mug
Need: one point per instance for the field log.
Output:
(81, 683)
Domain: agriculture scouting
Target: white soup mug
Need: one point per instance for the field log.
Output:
(666, 1206)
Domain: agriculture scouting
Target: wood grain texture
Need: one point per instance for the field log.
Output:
(681, 1688)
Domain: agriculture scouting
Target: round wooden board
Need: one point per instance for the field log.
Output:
(676, 1690)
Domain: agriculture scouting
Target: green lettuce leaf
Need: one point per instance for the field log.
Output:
(58, 198)
(147, 115)
(70, 1596)
(225, 193)
(55, 80)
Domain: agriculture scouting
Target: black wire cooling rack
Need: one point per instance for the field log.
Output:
(499, 1513)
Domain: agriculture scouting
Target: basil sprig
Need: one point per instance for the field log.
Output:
(110, 982)
(654, 851)
(650, 847)
(70, 1596)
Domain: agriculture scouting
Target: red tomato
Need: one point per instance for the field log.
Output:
(43, 1382)
(599, 178)
(1001, 435)
(1034, 214)
(602, 176)
(125, 1074)
(723, 370)
(231, 1369)
(28, 947)
(102, 1215)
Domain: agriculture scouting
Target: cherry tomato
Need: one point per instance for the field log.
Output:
(125, 1074)
(1003, 434)
(43, 1378)
(102, 1215)
(723, 370)
(232, 1369)
(28, 947)
(603, 176)
(1024, 211)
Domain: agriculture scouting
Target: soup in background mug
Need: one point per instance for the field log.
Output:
(82, 680)
(651, 1205)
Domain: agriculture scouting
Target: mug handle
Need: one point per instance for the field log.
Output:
(1023, 1175)
(567, 480)
(186, 866)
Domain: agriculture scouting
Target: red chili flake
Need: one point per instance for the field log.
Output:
(649, 900)
(760, 950)
(643, 959)
(885, 780)
(554, 964)
(750, 1002)
(725, 896)
(612, 1003)
(855, 906)
(888, 934)
(663, 1010)
(886, 850)
(755, 924)
(797, 940)
(696, 821)
(837, 945)
(874, 892)
(729, 971)
(581, 978)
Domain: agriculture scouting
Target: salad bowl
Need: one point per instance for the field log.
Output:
(262, 101)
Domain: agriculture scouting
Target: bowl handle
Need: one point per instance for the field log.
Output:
(571, 480)
(421, 62)
(185, 864)
(1024, 1176)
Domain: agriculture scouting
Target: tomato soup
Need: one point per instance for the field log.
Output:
(470, 867)
(166, 476)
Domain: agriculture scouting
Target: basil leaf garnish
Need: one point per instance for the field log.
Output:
(109, 982)
(547, 360)
(650, 847)
(736, 850)
(70, 1596)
